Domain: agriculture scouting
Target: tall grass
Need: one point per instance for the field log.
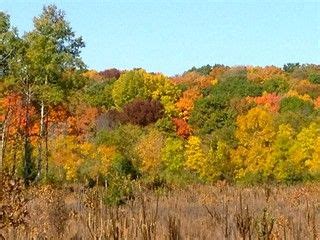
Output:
(196, 212)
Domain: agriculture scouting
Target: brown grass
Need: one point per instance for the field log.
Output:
(196, 212)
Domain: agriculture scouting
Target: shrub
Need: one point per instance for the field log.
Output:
(119, 190)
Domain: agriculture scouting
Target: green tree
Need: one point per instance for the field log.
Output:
(9, 42)
(173, 155)
(295, 104)
(276, 85)
(204, 70)
(99, 94)
(213, 112)
(124, 138)
(19, 80)
(296, 112)
(52, 50)
(290, 67)
(314, 77)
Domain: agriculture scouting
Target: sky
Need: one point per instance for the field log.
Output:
(173, 36)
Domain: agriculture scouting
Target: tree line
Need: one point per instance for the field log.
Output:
(61, 122)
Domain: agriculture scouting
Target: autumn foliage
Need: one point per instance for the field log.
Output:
(62, 122)
(143, 112)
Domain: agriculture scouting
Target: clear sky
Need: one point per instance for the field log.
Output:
(172, 36)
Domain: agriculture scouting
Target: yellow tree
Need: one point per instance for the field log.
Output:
(255, 133)
(96, 160)
(81, 160)
(211, 164)
(278, 162)
(303, 154)
(218, 165)
(66, 155)
(161, 88)
(295, 157)
(196, 159)
(140, 84)
(149, 150)
(313, 164)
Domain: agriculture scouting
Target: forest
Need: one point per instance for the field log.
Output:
(63, 124)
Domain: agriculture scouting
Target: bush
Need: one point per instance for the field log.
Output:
(123, 138)
(119, 190)
(124, 167)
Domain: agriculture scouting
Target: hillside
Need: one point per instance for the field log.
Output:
(215, 152)
(64, 123)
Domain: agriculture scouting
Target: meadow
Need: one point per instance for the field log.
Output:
(219, 211)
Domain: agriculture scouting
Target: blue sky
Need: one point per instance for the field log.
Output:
(172, 36)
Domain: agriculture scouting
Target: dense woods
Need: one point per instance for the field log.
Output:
(61, 122)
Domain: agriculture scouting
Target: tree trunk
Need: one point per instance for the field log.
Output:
(3, 139)
(2, 145)
(46, 145)
(14, 158)
(41, 136)
(27, 144)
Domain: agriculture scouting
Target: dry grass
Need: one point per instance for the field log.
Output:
(197, 212)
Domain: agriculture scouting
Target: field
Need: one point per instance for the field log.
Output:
(194, 212)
